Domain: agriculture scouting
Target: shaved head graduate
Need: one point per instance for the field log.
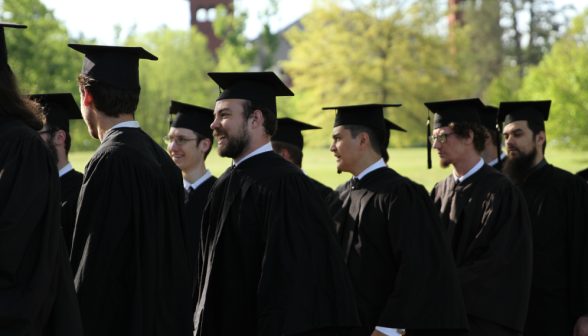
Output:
(391, 236)
(129, 249)
(269, 264)
(486, 222)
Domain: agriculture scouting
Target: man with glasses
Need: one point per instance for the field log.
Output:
(59, 109)
(189, 142)
(486, 221)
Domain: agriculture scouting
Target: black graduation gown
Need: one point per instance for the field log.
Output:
(195, 203)
(558, 205)
(269, 262)
(401, 267)
(498, 166)
(71, 183)
(489, 232)
(37, 295)
(129, 251)
(583, 174)
(323, 190)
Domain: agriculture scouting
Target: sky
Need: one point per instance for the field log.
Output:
(82, 16)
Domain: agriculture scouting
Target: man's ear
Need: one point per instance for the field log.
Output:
(285, 154)
(470, 138)
(364, 140)
(59, 138)
(256, 119)
(205, 144)
(540, 139)
(87, 99)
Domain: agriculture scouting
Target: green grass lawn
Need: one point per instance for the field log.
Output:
(319, 163)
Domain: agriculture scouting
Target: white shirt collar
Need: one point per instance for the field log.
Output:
(304, 172)
(129, 124)
(68, 167)
(265, 148)
(198, 182)
(472, 171)
(379, 164)
(495, 161)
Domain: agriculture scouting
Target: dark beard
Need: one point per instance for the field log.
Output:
(52, 150)
(517, 169)
(237, 145)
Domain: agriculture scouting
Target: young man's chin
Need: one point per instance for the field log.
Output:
(444, 163)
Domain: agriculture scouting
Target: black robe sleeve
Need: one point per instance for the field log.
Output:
(71, 184)
(323, 190)
(37, 296)
(577, 203)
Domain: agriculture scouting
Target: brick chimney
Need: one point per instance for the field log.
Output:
(202, 14)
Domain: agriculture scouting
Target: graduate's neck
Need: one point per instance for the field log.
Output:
(368, 159)
(489, 154)
(538, 156)
(62, 160)
(195, 174)
(465, 163)
(257, 141)
(105, 123)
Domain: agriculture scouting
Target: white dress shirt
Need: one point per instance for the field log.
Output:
(129, 124)
(379, 164)
(198, 182)
(68, 167)
(495, 161)
(265, 148)
(472, 171)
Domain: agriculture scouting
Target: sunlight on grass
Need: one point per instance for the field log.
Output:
(411, 162)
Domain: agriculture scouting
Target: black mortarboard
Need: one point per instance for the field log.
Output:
(4, 51)
(488, 116)
(195, 118)
(452, 111)
(59, 108)
(371, 115)
(289, 131)
(116, 66)
(534, 111)
(389, 126)
(260, 87)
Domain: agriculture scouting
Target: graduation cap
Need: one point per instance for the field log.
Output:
(4, 51)
(59, 108)
(452, 111)
(534, 111)
(289, 131)
(260, 87)
(389, 126)
(371, 115)
(195, 118)
(116, 66)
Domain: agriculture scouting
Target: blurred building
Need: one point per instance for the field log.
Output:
(202, 15)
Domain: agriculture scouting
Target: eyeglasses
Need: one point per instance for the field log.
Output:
(43, 132)
(441, 137)
(178, 141)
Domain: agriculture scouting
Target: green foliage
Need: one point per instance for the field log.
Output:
(269, 42)
(377, 52)
(504, 87)
(562, 77)
(236, 53)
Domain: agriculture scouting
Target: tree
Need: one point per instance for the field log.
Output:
(562, 76)
(379, 51)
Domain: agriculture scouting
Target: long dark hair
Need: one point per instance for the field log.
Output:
(14, 106)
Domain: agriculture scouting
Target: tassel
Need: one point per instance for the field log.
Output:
(429, 146)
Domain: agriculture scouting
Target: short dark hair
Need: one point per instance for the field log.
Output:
(270, 119)
(536, 128)
(295, 152)
(462, 130)
(496, 137)
(52, 128)
(14, 105)
(108, 99)
(376, 137)
(200, 137)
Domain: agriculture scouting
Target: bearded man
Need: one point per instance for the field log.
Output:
(269, 263)
(558, 205)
